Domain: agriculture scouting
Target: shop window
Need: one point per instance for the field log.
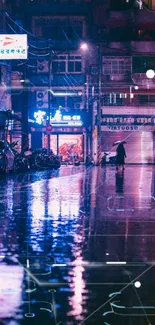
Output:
(115, 66)
(71, 147)
(53, 142)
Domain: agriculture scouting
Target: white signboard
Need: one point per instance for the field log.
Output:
(13, 47)
(143, 128)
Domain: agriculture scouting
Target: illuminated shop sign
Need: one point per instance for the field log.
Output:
(66, 120)
(131, 128)
(13, 47)
(59, 120)
(39, 117)
(128, 120)
(123, 128)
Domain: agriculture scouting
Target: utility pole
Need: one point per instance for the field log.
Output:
(99, 104)
(49, 101)
(24, 103)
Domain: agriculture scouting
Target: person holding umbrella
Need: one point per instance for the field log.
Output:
(120, 154)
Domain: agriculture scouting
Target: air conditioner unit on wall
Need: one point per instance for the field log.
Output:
(94, 70)
(42, 99)
(42, 66)
(78, 105)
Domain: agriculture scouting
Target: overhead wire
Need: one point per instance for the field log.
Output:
(20, 27)
(67, 78)
(27, 32)
(34, 54)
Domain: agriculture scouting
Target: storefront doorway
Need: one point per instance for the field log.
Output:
(68, 146)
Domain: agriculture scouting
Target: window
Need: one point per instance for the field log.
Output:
(143, 99)
(121, 4)
(116, 65)
(2, 145)
(140, 64)
(67, 64)
(74, 64)
(67, 101)
(61, 30)
(111, 100)
(152, 99)
(59, 66)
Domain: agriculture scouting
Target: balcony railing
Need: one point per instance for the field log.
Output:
(131, 102)
(128, 110)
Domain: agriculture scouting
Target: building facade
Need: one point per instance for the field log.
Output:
(100, 95)
(56, 73)
(126, 35)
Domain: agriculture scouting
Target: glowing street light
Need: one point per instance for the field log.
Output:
(150, 74)
(84, 46)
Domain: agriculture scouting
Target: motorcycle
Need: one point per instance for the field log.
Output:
(107, 159)
(3, 162)
(21, 163)
(6, 157)
(54, 161)
(41, 158)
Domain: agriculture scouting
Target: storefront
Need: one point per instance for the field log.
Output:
(66, 145)
(137, 131)
(68, 137)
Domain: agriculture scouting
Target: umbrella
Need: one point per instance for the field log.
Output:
(118, 142)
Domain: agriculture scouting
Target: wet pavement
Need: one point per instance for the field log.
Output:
(77, 246)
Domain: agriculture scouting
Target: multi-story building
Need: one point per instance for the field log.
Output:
(5, 90)
(56, 74)
(126, 34)
(109, 78)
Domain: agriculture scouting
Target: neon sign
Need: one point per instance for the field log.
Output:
(39, 117)
(67, 120)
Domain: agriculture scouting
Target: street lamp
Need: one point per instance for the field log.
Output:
(85, 46)
(150, 74)
(131, 93)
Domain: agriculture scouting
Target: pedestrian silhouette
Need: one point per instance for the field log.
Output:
(120, 156)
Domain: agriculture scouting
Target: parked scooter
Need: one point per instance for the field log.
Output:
(6, 156)
(77, 162)
(42, 159)
(107, 159)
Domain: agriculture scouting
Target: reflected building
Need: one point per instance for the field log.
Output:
(11, 287)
